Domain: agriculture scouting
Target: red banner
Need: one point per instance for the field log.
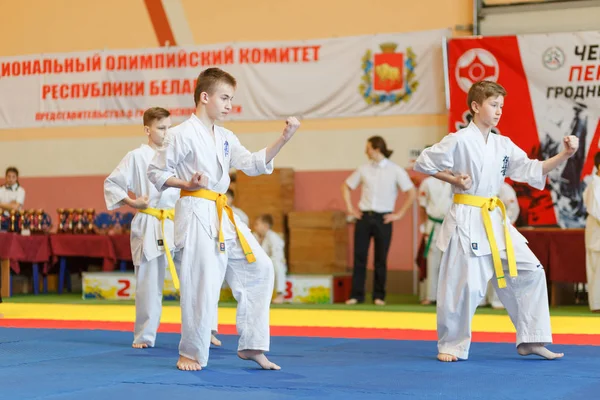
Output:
(533, 68)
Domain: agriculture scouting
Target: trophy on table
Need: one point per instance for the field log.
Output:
(39, 216)
(25, 223)
(14, 220)
(61, 220)
(78, 222)
(69, 221)
(90, 215)
(33, 221)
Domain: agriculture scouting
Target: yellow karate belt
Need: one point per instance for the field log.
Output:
(162, 215)
(221, 202)
(488, 204)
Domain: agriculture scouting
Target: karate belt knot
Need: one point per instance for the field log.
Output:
(487, 204)
(221, 204)
(162, 215)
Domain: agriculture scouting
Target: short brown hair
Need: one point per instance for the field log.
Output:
(267, 219)
(483, 90)
(208, 81)
(378, 143)
(155, 113)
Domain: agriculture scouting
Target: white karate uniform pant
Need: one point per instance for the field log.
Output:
(434, 258)
(202, 269)
(149, 283)
(463, 283)
(592, 266)
(491, 297)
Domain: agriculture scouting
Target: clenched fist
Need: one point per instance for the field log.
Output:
(571, 144)
(291, 126)
(198, 181)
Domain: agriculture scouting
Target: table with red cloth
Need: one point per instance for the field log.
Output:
(561, 252)
(49, 249)
(122, 246)
(110, 248)
(15, 248)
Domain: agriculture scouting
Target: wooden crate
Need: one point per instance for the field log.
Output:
(266, 194)
(318, 242)
(317, 220)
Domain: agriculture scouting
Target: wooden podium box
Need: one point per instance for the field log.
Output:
(266, 194)
(318, 242)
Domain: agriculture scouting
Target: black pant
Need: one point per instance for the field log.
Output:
(370, 226)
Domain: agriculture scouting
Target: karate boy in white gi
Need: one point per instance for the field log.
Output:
(274, 246)
(151, 228)
(476, 237)
(213, 243)
(435, 198)
(591, 199)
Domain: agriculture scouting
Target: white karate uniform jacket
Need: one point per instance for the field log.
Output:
(191, 149)
(131, 176)
(488, 164)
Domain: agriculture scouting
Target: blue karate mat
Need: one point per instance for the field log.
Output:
(81, 364)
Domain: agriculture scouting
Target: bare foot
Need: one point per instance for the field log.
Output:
(594, 311)
(526, 349)
(278, 299)
(187, 364)
(139, 345)
(351, 302)
(258, 357)
(426, 302)
(214, 340)
(379, 302)
(447, 357)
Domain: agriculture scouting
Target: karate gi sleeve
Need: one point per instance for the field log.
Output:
(438, 157)
(118, 183)
(165, 161)
(252, 164)
(521, 168)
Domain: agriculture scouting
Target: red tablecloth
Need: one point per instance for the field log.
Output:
(18, 248)
(122, 246)
(95, 246)
(561, 252)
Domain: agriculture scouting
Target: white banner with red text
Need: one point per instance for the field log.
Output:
(553, 85)
(386, 74)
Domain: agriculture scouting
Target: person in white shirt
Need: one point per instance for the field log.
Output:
(435, 199)
(380, 179)
(213, 243)
(274, 246)
(237, 211)
(508, 196)
(12, 194)
(591, 199)
(477, 240)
